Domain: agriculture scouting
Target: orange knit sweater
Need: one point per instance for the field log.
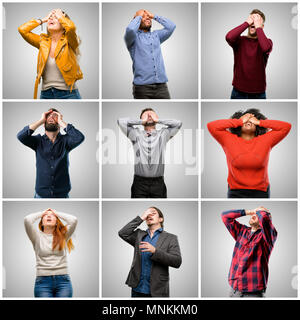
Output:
(247, 160)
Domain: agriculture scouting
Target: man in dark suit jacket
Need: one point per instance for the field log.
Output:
(155, 250)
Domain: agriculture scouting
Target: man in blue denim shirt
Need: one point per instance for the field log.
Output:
(52, 153)
(144, 47)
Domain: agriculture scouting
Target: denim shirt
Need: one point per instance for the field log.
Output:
(52, 160)
(144, 48)
(144, 284)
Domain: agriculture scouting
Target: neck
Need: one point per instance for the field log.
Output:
(153, 228)
(255, 228)
(247, 136)
(48, 229)
(252, 36)
(52, 135)
(149, 128)
(55, 36)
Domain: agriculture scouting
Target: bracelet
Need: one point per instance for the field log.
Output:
(41, 24)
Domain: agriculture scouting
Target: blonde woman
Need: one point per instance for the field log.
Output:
(57, 59)
(51, 239)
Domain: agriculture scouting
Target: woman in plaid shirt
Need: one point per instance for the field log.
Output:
(248, 275)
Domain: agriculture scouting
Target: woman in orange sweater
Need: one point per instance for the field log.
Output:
(247, 139)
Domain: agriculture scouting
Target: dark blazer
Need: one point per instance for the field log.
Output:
(167, 254)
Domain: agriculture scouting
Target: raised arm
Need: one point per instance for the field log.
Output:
(26, 137)
(229, 219)
(31, 230)
(171, 256)
(168, 29)
(279, 130)
(264, 43)
(30, 37)
(74, 137)
(172, 126)
(127, 127)
(129, 233)
(70, 220)
(233, 36)
(132, 29)
(70, 29)
(218, 128)
(269, 232)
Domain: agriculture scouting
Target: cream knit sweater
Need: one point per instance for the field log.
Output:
(48, 262)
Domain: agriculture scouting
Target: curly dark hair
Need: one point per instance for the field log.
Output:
(257, 114)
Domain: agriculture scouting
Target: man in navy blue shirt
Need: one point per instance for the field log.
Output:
(144, 47)
(52, 153)
(155, 250)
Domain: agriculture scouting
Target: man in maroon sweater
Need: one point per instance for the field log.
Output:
(251, 54)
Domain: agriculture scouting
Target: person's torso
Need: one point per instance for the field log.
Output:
(148, 64)
(249, 66)
(65, 59)
(249, 266)
(149, 153)
(247, 162)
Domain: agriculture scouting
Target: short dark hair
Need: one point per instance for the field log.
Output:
(144, 110)
(160, 214)
(53, 109)
(257, 114)
(260, 13)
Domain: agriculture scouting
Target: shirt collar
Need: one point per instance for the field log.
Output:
(46, 137)
(152, 133)
(156, 231)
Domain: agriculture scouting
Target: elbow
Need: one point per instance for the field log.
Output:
(177, 263)
(210, 126)
(173, 27)
(21, 29)
(228, 38)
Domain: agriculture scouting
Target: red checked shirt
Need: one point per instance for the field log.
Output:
(249, 267)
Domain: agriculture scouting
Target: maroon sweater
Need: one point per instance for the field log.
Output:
(250, 59)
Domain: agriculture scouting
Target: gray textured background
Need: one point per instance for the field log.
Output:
(217, 247)
(117, 178)
(217, 56)
(20, 58)
(19, 257)
(19, 170)
(181, 219)
(180, 51)
(283, 157)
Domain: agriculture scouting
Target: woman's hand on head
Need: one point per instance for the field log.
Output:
(47, 17)
(58, 13)
(246, 117)
(254, 121)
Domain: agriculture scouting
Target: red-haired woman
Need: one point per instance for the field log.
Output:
(50, 241)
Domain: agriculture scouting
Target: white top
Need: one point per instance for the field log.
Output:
(48, 262)
(52, 77)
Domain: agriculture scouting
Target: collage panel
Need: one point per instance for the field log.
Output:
(255, 247)
(151, 157)
(152, 251)
(249, 150)
(247, 54)
(50, 249)
(56, 51)
(142, 62)
(51, 150)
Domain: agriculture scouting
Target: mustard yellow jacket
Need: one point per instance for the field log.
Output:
(64, 54)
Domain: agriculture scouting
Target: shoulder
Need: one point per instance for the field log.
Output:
(169, 235)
